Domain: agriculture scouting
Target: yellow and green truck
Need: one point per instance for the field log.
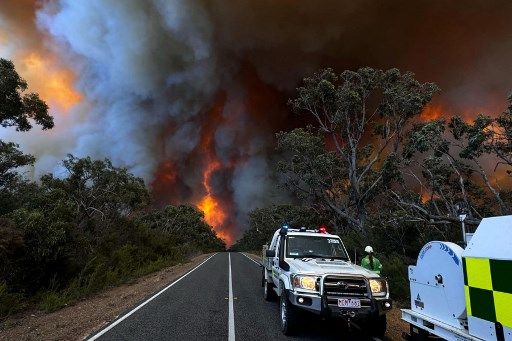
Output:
(464, 293)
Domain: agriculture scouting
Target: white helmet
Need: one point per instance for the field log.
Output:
(368, 249)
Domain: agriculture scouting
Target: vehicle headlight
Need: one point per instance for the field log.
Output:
(379, 287)
(304, 282)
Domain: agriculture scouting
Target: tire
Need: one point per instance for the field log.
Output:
(287, 314)
(268, 291)
(378, 326)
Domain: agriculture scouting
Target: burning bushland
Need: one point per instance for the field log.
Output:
(188, 95)
(91, 227)
(380, 167)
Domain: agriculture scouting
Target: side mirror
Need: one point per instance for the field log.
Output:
(270, 253)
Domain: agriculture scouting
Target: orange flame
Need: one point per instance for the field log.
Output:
(431, 112)
(425, 197)
(213, 213)
(54, 85)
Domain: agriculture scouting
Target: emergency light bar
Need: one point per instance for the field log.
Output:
(285, 229)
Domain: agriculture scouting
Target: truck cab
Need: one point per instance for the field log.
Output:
(311, 270)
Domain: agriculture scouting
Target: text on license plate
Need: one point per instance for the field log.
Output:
(349, 303)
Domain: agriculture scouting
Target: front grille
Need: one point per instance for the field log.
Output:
(336, 287)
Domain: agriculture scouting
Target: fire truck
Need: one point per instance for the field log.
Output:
(464, 293)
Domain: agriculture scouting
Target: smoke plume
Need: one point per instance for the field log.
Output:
(187, 94)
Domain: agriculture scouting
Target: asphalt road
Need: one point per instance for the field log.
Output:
(199, 307)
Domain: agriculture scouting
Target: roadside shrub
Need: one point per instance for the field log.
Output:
(51, 301)
(395, 270)
(263, 222)
(70, 237)
(9, 302)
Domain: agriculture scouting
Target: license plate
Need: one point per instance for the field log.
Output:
(349, 303)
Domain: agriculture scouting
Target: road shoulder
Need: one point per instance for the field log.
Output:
(93, 313)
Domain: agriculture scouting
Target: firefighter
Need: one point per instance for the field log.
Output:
(370, 262)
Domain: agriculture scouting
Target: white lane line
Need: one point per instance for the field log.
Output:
(115, 323)
(250, 258)
(231, 319)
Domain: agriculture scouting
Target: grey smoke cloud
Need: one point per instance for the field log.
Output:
(150, 72)
(142, 65)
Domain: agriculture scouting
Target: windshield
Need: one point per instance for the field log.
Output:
(315, 247)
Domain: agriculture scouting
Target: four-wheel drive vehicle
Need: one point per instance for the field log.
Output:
(311, 270)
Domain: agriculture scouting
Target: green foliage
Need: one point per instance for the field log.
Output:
(309, 169)
(427, 136)
(43, 236)
(16, 108)
(98, 190)
(363, 114)
(11, 158)
(12, 161)
(385, 178)
(501, 142)
(69, 237)
(115, 263)
(263, 222)
(395, 270)
(9, 302)
(185, 224)
(64, 238)
(453, 159)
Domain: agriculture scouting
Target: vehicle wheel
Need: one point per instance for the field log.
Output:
(268, 291)
(378, 326)
(288, 314)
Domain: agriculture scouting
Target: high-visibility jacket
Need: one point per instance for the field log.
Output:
(377, 266)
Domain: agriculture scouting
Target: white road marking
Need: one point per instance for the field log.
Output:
(231, 319)
(115, 323)
(250, 258)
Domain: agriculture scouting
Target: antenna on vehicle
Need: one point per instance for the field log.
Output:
(462, 212)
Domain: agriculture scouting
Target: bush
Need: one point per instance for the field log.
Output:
(9, 302)
(263, 222)
(52, 301)
(68, 238)
(395, 270)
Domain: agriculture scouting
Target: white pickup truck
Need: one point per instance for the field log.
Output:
(311, 270)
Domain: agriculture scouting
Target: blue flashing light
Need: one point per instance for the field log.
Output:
(284, 230)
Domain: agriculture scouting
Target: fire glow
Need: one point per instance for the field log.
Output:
(197, 120)
(54, 85)
(213, 211)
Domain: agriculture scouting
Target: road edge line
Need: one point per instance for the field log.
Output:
(231, 318)
(259, 264)
(119, 320)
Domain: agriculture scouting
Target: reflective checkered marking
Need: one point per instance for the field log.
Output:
(488, 289)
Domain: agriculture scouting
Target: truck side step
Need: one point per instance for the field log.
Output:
(430, 329)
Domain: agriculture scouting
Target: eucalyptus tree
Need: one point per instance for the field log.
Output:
(17, 108)
(361, 118)
(456, 163)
